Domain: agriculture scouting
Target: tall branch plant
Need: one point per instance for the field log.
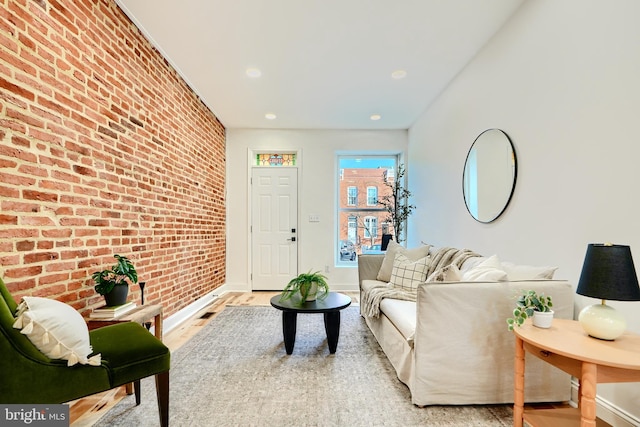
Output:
(397, 202)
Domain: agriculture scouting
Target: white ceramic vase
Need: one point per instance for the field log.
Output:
(542, 319)
(313, 291)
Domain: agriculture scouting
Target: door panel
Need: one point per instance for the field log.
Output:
(274, 254)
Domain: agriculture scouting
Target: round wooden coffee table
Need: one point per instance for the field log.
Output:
(329, 306)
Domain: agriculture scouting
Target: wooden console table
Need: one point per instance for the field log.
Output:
(566, 346)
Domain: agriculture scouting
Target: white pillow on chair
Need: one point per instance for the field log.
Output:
(56, 329)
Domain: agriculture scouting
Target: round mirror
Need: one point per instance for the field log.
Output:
(489, 175)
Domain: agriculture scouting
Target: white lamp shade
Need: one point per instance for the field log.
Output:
(602, 321)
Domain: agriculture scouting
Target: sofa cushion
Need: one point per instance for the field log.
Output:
(471, 263)
(403, 316)
(488, 270)
(387, 264)
(407, 274)
(448, 273)
(528, 272)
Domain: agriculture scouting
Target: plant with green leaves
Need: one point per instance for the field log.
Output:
(396, 203)
(303, 285)
(526, 305)
(122, 271)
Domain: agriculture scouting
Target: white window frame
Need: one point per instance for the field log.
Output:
(354, 196)
(371, 202)
(367, 227)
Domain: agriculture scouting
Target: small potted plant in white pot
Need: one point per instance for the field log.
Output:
(530, 304)
(309, 286)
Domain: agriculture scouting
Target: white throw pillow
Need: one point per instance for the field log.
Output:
(448, 273)
(384, 275)
(407, 274)
(488, 270)
(528, 272)
(56, 329)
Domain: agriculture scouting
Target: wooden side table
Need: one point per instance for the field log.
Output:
(141, 314)
(566, 346)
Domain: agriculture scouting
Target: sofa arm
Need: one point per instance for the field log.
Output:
(368, 266)
(464, 352)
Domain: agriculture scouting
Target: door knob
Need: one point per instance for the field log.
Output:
(293, 239)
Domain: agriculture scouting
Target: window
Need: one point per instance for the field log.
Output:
(352, 196)
(272, 159)
(370, 227)
(361, 225)
(352, 229)
(372, 196)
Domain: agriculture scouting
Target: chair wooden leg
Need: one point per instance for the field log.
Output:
(162, 390)
(137, 390)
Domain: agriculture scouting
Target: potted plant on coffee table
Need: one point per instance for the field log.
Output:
(309, 286)
(530, 304)
(113, 283)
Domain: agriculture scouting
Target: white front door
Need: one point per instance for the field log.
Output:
(274, 226)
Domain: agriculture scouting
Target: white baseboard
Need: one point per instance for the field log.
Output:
(606, 410)
(189, 311)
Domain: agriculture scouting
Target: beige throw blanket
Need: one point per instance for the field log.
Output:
(372, 295)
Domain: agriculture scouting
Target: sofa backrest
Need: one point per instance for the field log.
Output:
(369, 266)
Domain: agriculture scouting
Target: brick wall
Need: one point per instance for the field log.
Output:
(103, 150)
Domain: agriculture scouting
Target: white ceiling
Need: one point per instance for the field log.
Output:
(326, 64)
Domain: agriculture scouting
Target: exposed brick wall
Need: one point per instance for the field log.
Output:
(103, 150)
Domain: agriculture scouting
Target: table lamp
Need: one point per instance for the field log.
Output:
(607, 274)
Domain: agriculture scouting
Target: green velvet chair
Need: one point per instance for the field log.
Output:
(129, 353)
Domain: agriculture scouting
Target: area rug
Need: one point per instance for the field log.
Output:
(235, 372)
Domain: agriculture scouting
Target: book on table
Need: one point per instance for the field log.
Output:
(110, 312)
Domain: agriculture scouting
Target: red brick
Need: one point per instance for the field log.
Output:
(8, 219)
(18, 273)
(103, 158)
(39, 195)
(37, 221)
(57, 233)
(25, 245)
(40, 257)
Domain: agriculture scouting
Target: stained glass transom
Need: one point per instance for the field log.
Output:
(269, 159)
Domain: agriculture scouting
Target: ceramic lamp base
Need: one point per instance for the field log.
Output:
(603, 322)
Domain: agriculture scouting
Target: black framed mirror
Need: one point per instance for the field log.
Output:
(489, 176)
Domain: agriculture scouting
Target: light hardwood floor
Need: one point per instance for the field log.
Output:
(85, 412)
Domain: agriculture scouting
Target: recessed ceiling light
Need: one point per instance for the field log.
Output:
(399, 74)
(375, 117)
(253, 72)
(270, 116)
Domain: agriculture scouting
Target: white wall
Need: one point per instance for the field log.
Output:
(562, 79)
(317, 194)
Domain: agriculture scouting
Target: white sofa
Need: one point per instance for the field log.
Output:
(451, 346)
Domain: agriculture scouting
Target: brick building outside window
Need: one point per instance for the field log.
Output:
(361, 220)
